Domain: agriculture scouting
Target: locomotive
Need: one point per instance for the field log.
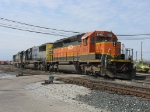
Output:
(95, 53)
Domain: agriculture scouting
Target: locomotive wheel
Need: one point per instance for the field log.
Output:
(83, 72)
(50, 68)
(38, 67)
(87, 73)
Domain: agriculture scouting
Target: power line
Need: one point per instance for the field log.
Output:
(17, 26)
(134, 38)
(134, 35)
(143, 52)
(54, 33)
(59, 30)
(32, 31)
(37, 26)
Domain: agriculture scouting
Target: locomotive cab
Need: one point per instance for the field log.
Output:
(98, 43)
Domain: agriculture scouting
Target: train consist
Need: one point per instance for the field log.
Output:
(97, 53)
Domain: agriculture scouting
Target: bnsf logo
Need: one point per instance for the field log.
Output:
(70, 47)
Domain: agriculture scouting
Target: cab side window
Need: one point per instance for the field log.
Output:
(92, 40)
(85, 41)
(107, 39)
(99, 39)
(114, 40)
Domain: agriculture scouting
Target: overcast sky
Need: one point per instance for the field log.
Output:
(118, 16)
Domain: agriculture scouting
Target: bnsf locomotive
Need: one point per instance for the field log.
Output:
(97, 53)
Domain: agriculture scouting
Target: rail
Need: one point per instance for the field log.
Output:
(110, 86)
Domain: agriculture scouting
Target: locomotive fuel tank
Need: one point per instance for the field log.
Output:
(29, 66)
(70, 68)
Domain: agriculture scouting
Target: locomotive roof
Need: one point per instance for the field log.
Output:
(45, 44)
(101, 33)
(86, 35)
(70, 39)
(60, 40)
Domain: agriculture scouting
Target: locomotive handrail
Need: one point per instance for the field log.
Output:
(123, 48)
(129, 56)
(107, 55)
(102, 49)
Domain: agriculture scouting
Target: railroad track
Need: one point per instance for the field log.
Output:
(110, 86)
(103, 84)
(142, 82)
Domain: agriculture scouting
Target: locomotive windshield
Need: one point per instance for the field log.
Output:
(99, 39)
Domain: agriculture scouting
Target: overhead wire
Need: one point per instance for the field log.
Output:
(17, 27)
(142, 38)
(36, 25)
(21, 27)
(32, 31)
(62, 31)
(134, 35)
(143, 52)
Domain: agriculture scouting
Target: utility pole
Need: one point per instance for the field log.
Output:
(141, 51)
(136, 55)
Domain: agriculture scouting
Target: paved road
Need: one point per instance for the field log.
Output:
(14, 97)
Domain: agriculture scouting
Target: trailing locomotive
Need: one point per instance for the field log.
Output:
(97, 53)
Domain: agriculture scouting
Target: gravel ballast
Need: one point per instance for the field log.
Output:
(64, 93)
(92, 100)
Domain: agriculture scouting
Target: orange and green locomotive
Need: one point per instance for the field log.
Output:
(97, 53)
